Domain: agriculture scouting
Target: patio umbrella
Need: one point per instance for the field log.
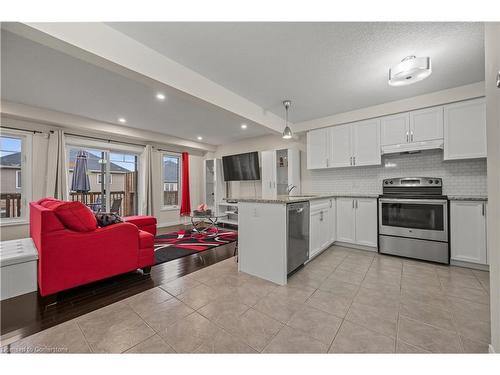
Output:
(80, 181)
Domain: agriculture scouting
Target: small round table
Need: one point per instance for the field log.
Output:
(211, 220)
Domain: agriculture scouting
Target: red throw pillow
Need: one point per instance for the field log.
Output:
(76, 216)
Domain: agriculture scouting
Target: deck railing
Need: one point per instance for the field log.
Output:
(170, 198)
(10, 205)
(91, 198)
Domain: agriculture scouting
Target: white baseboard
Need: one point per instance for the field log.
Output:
(355, 246)
(460, 263)
(491, 349)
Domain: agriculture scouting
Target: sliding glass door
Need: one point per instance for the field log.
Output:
(108, 182)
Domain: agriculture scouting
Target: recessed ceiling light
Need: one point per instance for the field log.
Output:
(160, 96)
(122, 120)
(199, 138)
(244, 126)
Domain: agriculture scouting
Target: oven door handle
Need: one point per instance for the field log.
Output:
(421, 201)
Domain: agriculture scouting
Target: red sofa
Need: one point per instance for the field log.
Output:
(74, 252)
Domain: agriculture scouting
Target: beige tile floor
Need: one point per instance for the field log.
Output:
(344, 301)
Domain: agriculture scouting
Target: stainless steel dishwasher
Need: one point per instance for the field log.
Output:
(297, 229)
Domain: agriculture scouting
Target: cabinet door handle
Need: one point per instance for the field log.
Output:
(353, 203)
(411, 137)
(326, 160)
(407, 137)
(483, 209)
(354, 160)
(356, 204)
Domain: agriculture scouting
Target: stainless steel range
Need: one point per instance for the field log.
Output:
(413, 219)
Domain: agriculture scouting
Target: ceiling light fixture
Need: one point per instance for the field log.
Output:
(160, 96)
(244, 126)
(410, 70)
(199, 137)
(287, 133)
(122, 120)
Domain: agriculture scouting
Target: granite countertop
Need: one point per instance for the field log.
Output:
(284, 199)
(468, 197)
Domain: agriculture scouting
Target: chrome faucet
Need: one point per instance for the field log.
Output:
(289, 188)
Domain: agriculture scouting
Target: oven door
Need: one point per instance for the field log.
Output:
(415, 218)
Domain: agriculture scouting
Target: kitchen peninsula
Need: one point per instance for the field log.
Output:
(280, 233)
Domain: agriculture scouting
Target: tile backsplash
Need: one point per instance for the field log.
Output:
(460, 177)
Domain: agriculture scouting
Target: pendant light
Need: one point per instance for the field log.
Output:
(287, 133)
(410, 70)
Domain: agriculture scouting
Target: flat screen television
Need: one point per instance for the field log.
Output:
(241, 167)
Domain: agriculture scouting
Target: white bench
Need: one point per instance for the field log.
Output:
(18, 267)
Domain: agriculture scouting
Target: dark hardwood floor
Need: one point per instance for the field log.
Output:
(28, 314)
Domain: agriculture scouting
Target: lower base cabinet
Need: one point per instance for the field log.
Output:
(349, 220)
(322, 225)
(468, 231)
(357, 221)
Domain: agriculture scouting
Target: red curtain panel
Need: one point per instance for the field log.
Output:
(185, 199)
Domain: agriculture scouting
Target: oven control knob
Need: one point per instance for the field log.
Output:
(386, 182)
(391, 182)
(430, 181)
(437, 181)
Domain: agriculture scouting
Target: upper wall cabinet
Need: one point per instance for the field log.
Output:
(395, 129)
(366, 142)
(340, 146)
(426, 124)
(348, 145)
(465, 130)
(317, 149)
(412, 131)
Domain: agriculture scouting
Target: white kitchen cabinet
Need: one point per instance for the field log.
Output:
(412, 131)
(268, 173)
(317, 149)
(348, 145)
(395, 129)
(365, 136)
(321, 225)
(346, 220)
(366, 221)
(357, 221)
(465, 130)
(332, 219)
(468, 231)
(340, 146)
(280, 170)
(426, 124)
(355, 144)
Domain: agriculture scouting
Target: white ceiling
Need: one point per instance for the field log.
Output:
(37, 75)
(324, 68)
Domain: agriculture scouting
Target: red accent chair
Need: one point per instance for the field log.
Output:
(86, 253)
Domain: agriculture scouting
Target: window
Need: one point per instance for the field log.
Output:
(118, 170)
(171, 167)
(15, 162)
(99, 179)
(18, 180)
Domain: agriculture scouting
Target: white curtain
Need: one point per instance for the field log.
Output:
(150, 185)
(57, 173)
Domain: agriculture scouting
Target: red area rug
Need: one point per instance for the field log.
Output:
(182, 243)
